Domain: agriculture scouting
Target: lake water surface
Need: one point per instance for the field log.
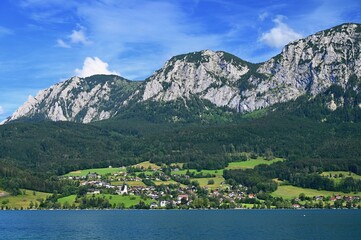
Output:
(192, 224)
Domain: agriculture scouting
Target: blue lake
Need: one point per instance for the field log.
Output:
(193, 224)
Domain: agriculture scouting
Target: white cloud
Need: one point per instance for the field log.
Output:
(79, 36)
(155, 30)
(94, 66)
(280, 35)
(2, 111)
(62, 44)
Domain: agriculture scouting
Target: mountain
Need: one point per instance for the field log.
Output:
(208, 75)
(78, 99)
(307, 66)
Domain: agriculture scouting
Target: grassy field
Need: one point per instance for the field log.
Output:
(101, 171)
(129, 183)
(335, 175)
(177, 164)
(135, 183)
(23, 201)
(203, 182)
(147, 173)
(160, 182)
(252, 163)
(213, 172)
(70, 199)
(290, 192)
(128, 201)
(104, 171)
(146, 165)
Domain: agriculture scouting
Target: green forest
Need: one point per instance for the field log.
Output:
(34, 154)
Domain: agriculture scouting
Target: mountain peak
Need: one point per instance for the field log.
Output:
(207, 74)
(78, 99)
(306, 66)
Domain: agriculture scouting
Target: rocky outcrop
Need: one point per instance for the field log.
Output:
(309, 65)
(209, 75)
(78, 99)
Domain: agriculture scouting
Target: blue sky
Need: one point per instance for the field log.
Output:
(43, 42)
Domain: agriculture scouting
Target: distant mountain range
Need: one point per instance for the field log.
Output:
(306, 67)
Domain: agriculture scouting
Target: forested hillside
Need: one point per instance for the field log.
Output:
(42, 150)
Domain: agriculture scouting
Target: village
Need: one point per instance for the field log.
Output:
(169, 194)
(170, 187)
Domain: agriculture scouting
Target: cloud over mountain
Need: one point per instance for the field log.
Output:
(94, 66)
(279, 35)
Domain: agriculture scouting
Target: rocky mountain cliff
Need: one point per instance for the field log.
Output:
(309, 65)
(208, 75)
(78, 99)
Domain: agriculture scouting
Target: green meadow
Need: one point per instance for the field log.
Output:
(337, 176)
(290, 192)
(100, 171)
(68, 199)
(128, 201)
(160, 182)
(146, 165)
(204, 182)
(218, 172)
(252, 163)
(23, 200)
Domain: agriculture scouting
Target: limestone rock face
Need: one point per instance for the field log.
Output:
(306, 66)
(78, 99)
(209, 75)
(309, 65)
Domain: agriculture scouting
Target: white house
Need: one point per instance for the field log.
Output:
(123, 189)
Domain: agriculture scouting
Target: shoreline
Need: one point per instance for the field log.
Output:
(198, 209)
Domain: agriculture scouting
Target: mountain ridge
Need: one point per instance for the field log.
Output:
(306, 66)
(78, 99)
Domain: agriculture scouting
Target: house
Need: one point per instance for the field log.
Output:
(182, 196)
(93, 191)
(296, 206)
(216, 193)
(163, 203)
(251, 196)
(92, 175)
(123, 189)
(153, 205)
(84, 183)
(318, 198)
(348, 198)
